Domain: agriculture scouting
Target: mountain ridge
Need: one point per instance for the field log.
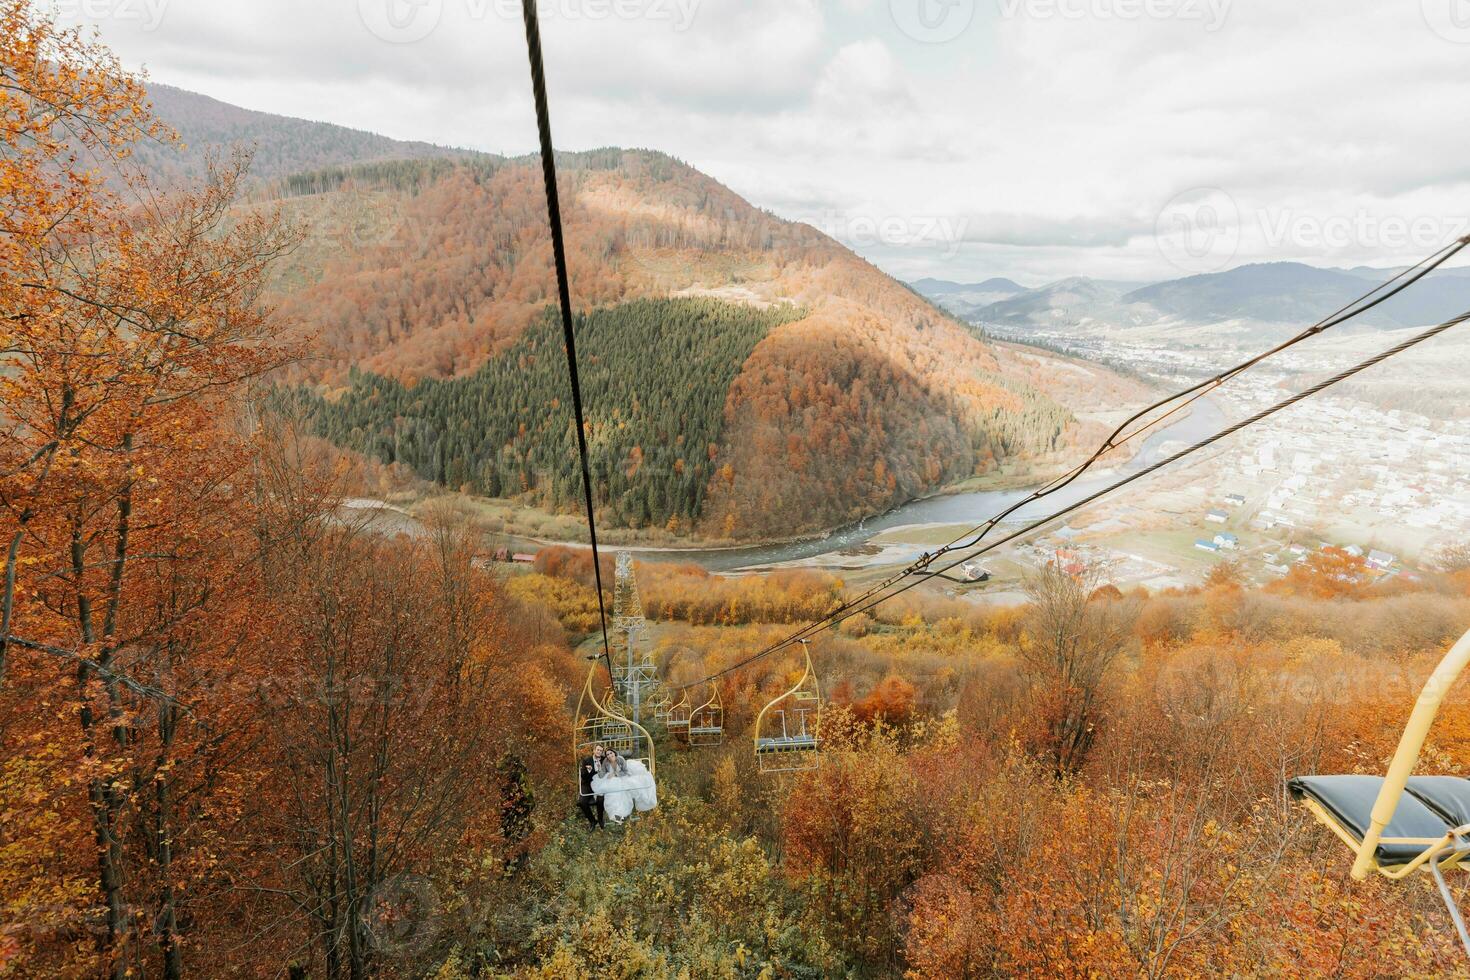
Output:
(1263, 293)
(434, 266)
(281, 145)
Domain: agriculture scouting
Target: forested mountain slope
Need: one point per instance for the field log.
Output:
(427, 269)
(282, 145)
(656, 373)
(434, 269)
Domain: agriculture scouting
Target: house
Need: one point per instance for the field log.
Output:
(1353, 550)
(1235, 499)
(975, 572)
(1217, 517)
(1381, 559)
(1227, 540)
(524, 558)
(1209, 546)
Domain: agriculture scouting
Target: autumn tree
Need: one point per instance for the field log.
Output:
(890, 701)
(1328, 573)
(392, 769)
(129, 332)
(1453, 557)
(60, 99)
(1068, 646)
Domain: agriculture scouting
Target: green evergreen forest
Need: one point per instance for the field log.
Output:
(654, 373)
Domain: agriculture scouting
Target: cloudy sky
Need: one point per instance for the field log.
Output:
(961, 139)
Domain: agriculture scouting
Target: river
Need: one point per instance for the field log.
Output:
(971, 508)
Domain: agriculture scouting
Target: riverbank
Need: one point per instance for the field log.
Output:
(969, 502)
(519, 526)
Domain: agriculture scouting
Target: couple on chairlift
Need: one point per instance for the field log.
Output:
(612, 787)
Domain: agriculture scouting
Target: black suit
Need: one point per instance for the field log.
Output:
(589, 803)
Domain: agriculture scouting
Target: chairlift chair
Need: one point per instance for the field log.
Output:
(596, 724)
(707, 722)
(1399, 823)
(659, 703)
(677, 718)
(612, 703)
(787, 731)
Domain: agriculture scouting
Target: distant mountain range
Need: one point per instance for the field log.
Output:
(1268, 293)
(964, 298)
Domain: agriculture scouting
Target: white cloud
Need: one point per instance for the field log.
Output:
(862, 76)
(1045, 138)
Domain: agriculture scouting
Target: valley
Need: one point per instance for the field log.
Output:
(823, 415)
(334, 643)
(793, 389)
(850, 396)
(1365, 467)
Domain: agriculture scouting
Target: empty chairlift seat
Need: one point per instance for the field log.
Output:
(1431, 808)
(661, 703)
(800, 741)
(707, 722)
(788, 730)
(676, 719)
(1400, 823)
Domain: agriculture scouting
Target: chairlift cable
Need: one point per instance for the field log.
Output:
(920, 567)
(1116, 439)
(847, 611)
(564, 294)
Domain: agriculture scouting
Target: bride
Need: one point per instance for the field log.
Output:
(624, 785)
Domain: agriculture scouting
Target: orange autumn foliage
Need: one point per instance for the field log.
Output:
(891, 701)
(162, 655)
(1328, 573)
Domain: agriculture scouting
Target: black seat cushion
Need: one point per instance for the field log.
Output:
(1350, 801)
(1447, 796)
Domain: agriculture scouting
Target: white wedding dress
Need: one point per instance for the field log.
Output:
(621, 795)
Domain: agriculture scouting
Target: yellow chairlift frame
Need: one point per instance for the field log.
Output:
(1398, 856)
(596, 725)
(677, 718)
(707, 722)
(660, 703)
(788, 729)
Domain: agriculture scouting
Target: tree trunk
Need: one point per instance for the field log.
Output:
(167, 924)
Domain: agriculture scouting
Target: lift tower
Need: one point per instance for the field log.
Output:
(635, 679)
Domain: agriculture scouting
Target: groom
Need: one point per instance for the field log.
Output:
(589, 803)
